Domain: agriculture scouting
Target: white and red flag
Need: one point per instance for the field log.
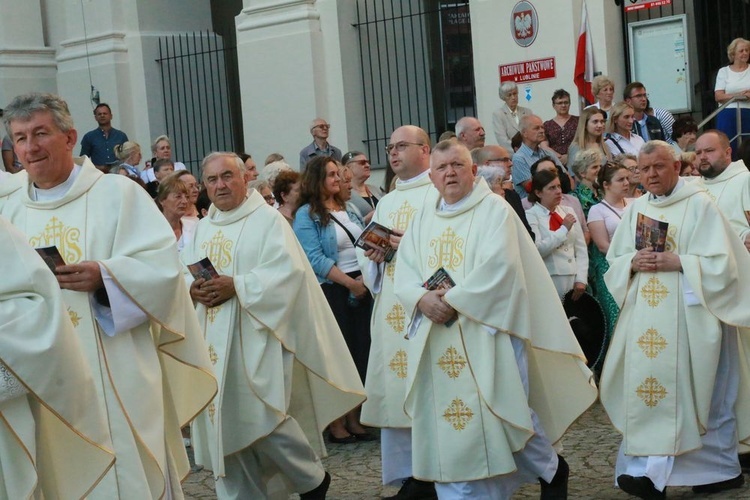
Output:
(584, 72)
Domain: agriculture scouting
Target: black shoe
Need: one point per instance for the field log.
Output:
(414, 489)
(342, 440)
(319, 493)
(364, 436)
(641, 487)
(744, 461)
(729, 484)
(557, 489)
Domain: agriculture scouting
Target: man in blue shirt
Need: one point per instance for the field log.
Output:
(98, 144)
(532, 132)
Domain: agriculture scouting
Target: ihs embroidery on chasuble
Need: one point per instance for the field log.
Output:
(398, 364)
(219, 250)
(400, 218)
(64, 237)
(458, 414)
(447, 251)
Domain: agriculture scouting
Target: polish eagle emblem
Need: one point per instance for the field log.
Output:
(523, 24)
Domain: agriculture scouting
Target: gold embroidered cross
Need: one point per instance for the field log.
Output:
(74, 317)
(65, 238)
(396, 318)
(211, 313)
(390, 268)
(458, 414)
(211, 412)
(212, 354)
(652, 343)
(654, 291)
(451, 362)
(399, 364)
(651, 392)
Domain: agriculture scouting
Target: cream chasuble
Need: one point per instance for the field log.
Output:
(465, 394)
(279, 309)
(388, 364)
(150, 380)
(730, 190)
(54, 439)
(660, 369)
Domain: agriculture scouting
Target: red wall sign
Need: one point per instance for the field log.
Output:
(646, 4)
(528, 71)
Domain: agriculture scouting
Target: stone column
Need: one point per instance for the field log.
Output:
(25, 61)
(290, 65)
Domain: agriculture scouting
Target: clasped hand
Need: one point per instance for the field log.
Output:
(435, 308)
(646, 260)
(213, 292)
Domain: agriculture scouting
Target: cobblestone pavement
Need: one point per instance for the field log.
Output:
(590, 449)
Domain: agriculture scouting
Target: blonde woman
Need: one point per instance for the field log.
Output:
(620, 139)
(589, 134)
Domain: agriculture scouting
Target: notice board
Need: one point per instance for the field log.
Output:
(658, 60)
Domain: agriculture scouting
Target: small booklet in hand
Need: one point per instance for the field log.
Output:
(51, 256)
(203, 269)
(376, 237)
(650, 233)
(440, 280)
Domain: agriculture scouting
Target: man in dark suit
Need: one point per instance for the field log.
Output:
(494, 164)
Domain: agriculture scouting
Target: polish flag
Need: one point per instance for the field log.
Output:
(584, 72)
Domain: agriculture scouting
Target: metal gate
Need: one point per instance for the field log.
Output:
(196, 75)
(417, 67)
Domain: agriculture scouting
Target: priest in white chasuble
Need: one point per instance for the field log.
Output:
(675, 380)
(283, 367)
(727, 182)
(492, 382)
(54, 441)
(124, 292)
(385, 384)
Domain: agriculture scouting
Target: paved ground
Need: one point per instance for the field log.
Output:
(590, 449)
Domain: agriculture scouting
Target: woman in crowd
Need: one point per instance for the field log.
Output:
(630, 162)
(264, 188)
(364, 196)
(684, 133)
(251, 169)
(561, 129)
(590, 134)
(603, 219)
(506, 119)
(734, 81)
(327, 233)
(620, 139)
(174, 200)
(586, 166)
(286, 191)
(689, 164)
(603, 89)
(558, 237)
(129, 153)
(568, 199)
(194, 190)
